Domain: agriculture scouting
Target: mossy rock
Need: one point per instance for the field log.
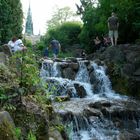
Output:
(7, 128)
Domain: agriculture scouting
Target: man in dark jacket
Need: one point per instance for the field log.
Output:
(113, 24)
(55, 45)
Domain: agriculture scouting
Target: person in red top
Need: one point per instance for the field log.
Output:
(113, 24)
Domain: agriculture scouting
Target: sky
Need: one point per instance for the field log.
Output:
(42, 11)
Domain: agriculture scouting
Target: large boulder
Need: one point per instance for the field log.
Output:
(123, 63)
(7, 127)
(3, 58)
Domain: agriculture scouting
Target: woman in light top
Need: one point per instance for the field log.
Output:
(16, 45)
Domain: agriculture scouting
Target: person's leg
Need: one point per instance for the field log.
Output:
(55, 52)
(111, 37)
(54, 55)
(116, 36)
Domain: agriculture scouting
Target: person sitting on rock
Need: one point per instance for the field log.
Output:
(19, 46)
(97, 42)
(11, 44)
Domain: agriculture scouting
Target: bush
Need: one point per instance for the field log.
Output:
(67, 34)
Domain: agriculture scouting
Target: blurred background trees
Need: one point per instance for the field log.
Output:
(11, 19)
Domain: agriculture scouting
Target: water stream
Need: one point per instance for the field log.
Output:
(94, 111)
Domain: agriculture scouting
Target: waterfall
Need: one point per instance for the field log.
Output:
(55, 71)
(94, 111)
(82, 74)
(104, 83)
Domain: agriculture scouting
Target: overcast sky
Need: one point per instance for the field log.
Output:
(43, 9)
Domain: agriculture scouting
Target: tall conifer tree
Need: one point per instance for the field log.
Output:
(11, 19)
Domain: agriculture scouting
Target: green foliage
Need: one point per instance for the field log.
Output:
(9, 107)
(31, 136)
(11, 19)
(27, 43)
(8, 81)
(18, 133)
(95, 17)
(67, 34)
(27, 70)
(61, 15)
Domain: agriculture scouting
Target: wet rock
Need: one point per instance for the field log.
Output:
(81, 92)
(92, 112)
(74, 66)
(100, 104)
(70, 92)
(72, 59)
(68, 73)
(129, 135)
(64, 65)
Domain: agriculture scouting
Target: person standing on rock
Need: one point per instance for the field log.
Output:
(56, 47)
(113, 24)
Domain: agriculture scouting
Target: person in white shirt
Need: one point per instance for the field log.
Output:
(16, 45)
(11, 44)
(19, 46)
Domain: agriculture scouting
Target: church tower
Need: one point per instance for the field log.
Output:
(29, 23)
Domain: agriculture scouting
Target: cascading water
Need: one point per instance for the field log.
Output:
(82, 74)
(99, 112)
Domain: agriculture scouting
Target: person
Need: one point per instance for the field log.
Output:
(56, 47)
(46, 53)
(83, 54)
(98, 43)
(11, 44)
(113, 24)
(19, 46)
(106, 41)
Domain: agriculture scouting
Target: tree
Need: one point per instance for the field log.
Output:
(11, 19)
(60, 16)
(95, 14)
(67, 33)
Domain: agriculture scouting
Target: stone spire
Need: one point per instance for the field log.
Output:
(29, 23)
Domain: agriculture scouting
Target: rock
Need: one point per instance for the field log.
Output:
(74, 66)
(129, 135)
(92, 112)
(62, 98)
(137, 72)
(3, 58)
(7, 127)
(123, 63)
(6, 50)
(81, 92)
(55, 135)
(68, 73)
(37, 118)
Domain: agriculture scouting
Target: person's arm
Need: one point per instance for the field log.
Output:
(108, 22)
(117, 23)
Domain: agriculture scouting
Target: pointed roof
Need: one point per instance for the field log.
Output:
(29, 22)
